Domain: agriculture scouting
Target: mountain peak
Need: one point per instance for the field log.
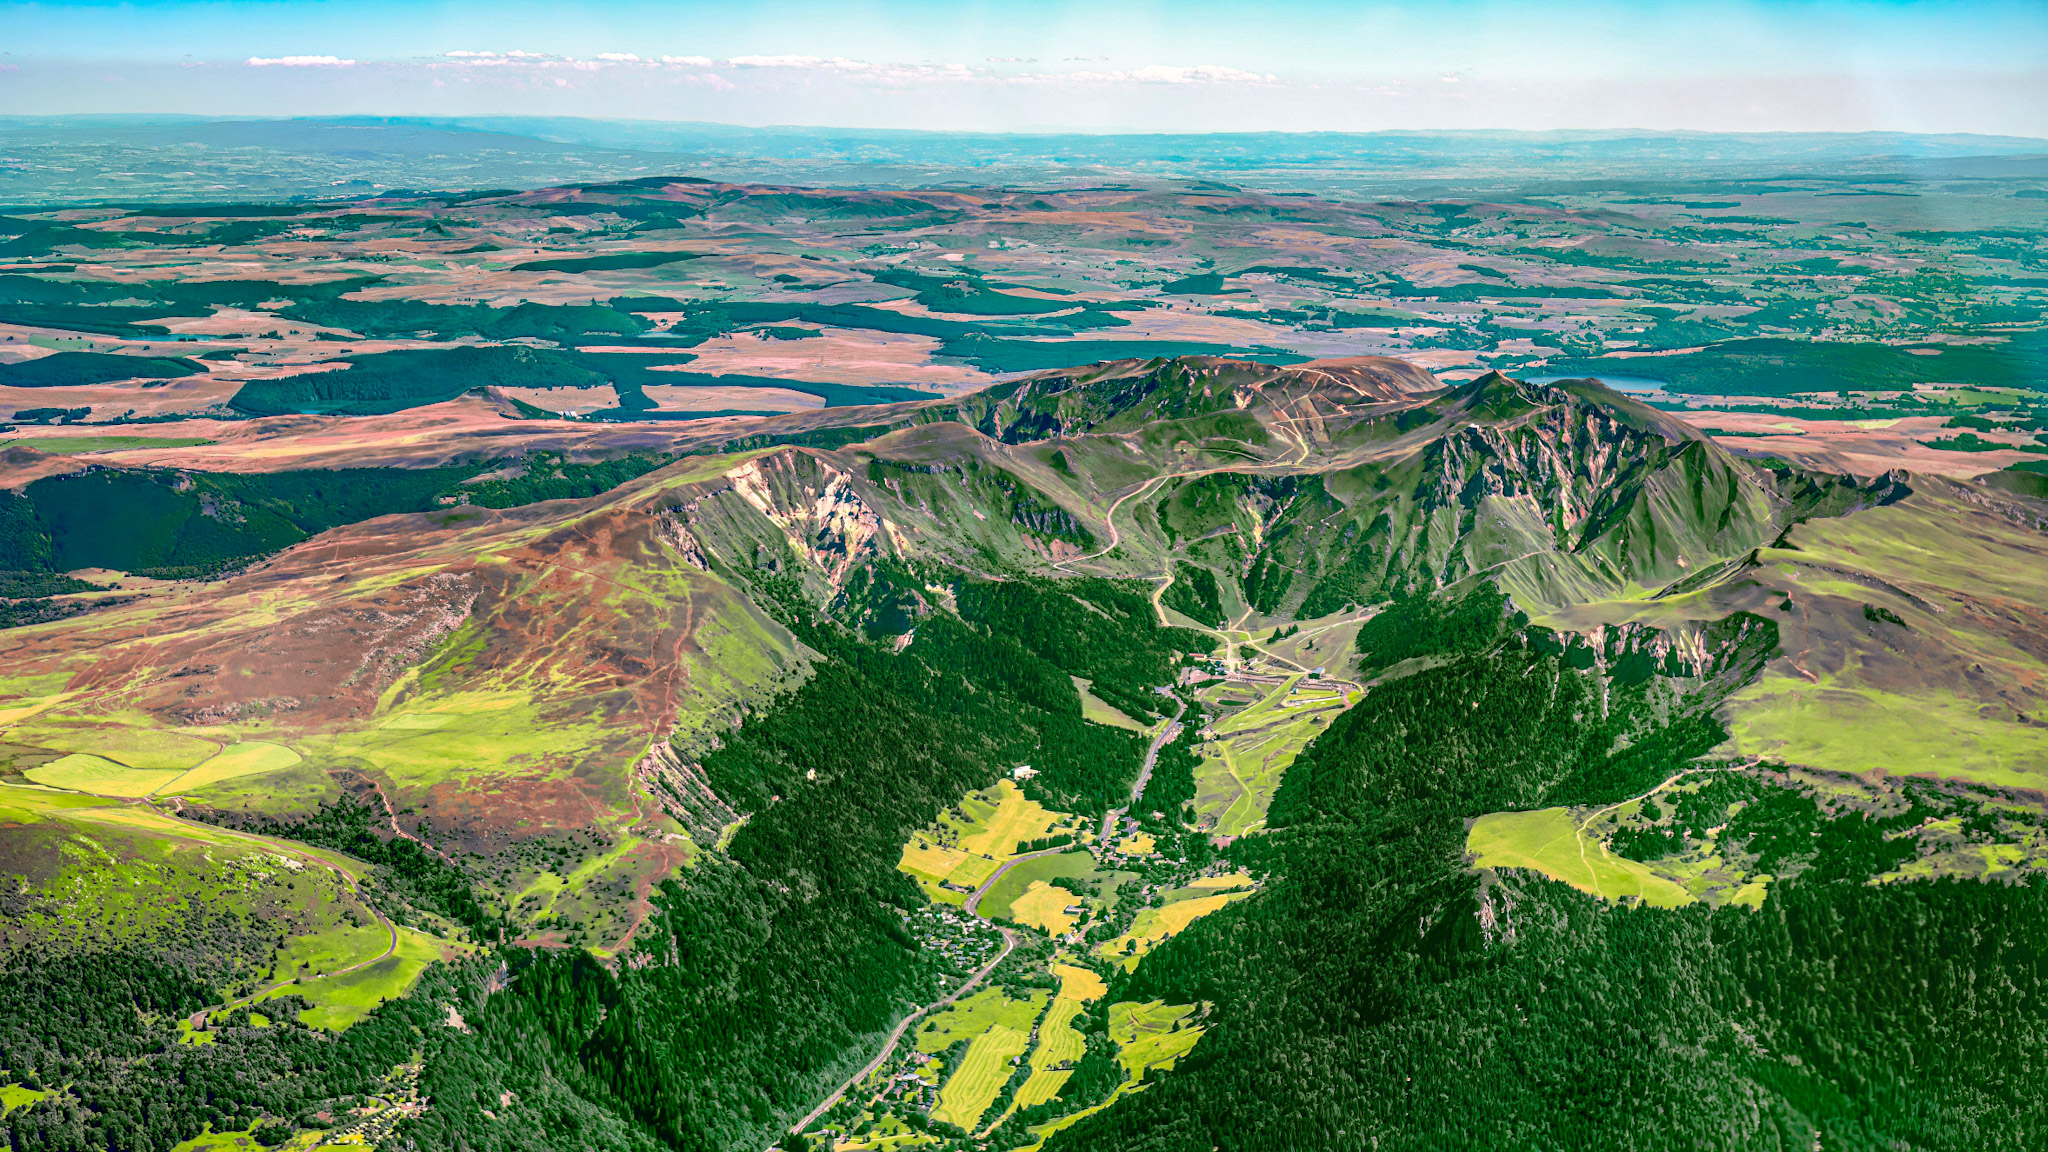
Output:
(1120, 395)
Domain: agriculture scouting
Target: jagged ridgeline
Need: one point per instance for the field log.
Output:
(1302, 492)
(672, 738)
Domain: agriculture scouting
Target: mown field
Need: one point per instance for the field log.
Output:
(973, 839)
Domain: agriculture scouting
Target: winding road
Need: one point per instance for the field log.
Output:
(973, 908)
(1165, 736)
(882, 1057)
(276, 847)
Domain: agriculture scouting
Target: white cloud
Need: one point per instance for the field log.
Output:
(858, 69)
(784, 61)
(692, 61)
(299, 62)
(619, 57)
(515, 56)
(822, 63)
(1195, 74)
(1157, 74)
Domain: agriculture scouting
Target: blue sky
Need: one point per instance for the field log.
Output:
(1111, 65)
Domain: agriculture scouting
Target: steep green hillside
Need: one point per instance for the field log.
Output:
(1168, 754)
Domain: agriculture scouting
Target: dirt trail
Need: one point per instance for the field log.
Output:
(1109, 517)
(390, 946)
(1675, 777)
(392, 815)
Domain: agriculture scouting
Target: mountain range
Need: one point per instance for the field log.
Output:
(1177, 753)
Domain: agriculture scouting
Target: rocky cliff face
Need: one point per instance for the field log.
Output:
(825, 520)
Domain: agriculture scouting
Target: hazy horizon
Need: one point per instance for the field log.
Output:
(1294, 65)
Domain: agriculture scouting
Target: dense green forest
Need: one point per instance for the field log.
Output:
(1194, 594)
(1771, 366)
(547, 475)
(393, 381)
(178, 523)
(385, 318)
(1380, 995)
(192, 523)
(77, 369)
(102, 1029)
(759, 978)
(609, 262)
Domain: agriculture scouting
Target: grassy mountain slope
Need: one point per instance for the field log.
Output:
(494, 681)
(674, 737)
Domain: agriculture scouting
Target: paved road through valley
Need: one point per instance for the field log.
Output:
(973, 908)
(1165, 737)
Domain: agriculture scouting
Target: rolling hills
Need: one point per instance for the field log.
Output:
(1523, 727)
(1136, 663)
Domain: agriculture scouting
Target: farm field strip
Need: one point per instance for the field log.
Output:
(980, 1078)
(1147, 1036)
(1155, 925)
(956, 855)
(1058, 1043)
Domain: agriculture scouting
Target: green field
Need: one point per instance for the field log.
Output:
(245, 1141)
(1045, 908)
(83, 773)
(998, 1030)
(114, 759)
(1020, 878)
(1155, 925)
(888, 1133)
(84, 445)
(14, 1096)
(1148, 1036)
(1100, 711)
(1151, 1035)
(1059, 1045)
(127, 876)
(982, 1073)
(975, 1015)
(964, 847)
(246, 758)
(341, 1000)
(1550, 841)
